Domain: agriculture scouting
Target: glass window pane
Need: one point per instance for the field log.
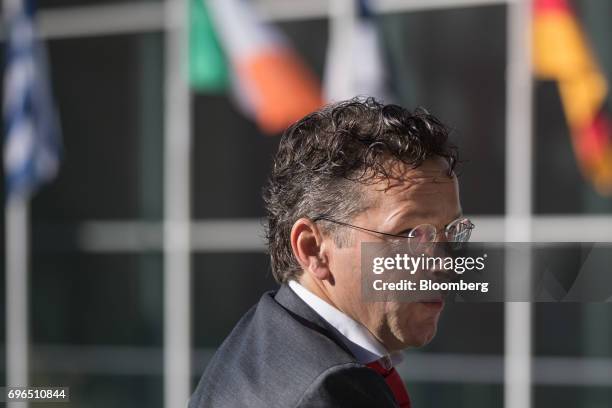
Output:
(96, 299)
(572, 396)
(225, 287)
(109, 95)
(99, 391)
(441, 60)
(455, 395)
(572, 348)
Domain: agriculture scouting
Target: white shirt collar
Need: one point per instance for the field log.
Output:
(364, 346)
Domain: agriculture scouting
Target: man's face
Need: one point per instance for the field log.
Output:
(425, 195)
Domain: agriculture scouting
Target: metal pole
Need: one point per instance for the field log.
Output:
(17, 316)
(177, 262)
(17, 252)
(518, 336)
(339, 76)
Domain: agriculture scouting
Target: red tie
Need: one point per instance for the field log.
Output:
(394, 381)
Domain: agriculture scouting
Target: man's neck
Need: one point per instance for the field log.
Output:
(316, 288)
(364, 346)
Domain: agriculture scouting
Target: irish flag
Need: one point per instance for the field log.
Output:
(561, 53)
(271, 82)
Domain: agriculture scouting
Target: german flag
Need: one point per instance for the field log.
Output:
(561, 53)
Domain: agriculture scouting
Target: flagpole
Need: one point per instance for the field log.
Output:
(177, 210)
(518, 316)
(17, 317)
(16, 267)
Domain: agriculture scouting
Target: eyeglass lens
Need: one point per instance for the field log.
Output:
(424, 235)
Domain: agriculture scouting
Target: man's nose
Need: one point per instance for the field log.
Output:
(439, 249)
(438, 246)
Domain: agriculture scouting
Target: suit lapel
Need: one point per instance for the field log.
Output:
(307, 316)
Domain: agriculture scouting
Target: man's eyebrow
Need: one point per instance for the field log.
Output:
(405, 214)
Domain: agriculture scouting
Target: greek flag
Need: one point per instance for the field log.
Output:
(32, 140)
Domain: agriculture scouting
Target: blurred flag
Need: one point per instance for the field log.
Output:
(208, 70)
(561, 53)
(359, 68)
(32, 146)
(270, 81)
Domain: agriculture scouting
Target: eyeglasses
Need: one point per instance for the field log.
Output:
(422, 236)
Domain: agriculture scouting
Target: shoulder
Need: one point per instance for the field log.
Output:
(277, 356)
(348, 385)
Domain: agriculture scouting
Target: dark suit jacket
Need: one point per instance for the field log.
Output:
(283, 354)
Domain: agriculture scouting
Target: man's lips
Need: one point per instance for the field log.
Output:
(435, 304)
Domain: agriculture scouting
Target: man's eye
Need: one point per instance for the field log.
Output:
(409, 233)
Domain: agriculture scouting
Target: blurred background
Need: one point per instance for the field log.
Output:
(148, 242)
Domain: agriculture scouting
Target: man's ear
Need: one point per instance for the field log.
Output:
(309, 249)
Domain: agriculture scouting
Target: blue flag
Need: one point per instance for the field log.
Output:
(32, 138)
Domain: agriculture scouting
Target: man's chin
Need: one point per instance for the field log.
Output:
(424, 338)
(425, 331)
(414, 336)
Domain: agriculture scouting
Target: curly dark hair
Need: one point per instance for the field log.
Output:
(324, 160)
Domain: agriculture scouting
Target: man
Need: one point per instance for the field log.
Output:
(353, 172)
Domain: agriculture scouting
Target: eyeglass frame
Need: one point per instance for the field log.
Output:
(324, 217)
